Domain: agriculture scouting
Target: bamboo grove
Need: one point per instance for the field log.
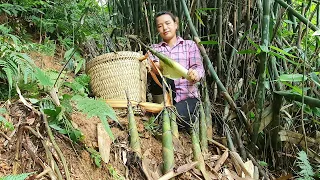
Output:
(262, 62)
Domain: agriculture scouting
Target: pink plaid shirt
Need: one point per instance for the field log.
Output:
(186, 53)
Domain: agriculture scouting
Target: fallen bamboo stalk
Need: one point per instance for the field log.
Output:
(56, 147)
(221, 146)
(51, 160)
(39, 161)
(178, 171)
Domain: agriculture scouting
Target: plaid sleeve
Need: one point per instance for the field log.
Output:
(196, 59)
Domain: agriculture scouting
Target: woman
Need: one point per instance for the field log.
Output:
(188, 55)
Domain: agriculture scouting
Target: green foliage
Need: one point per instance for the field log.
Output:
(115, 175)
(150, 125)
(43, 79)
(59, 121)
(98, 108)
(3, 120)
(16, 177)
(80, 85)
(13, 62)
(306, 172)
(95, 156)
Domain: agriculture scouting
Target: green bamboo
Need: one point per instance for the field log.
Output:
(313, 102)
(292, 18)
(197, 155)
(151, 22)
(133, 131)
(174, 125)
(262, 69)
(167, 145)
(297, 15)
(219, 29)
(207, 111)
(203, 130)
(210, 68)
(275, 123)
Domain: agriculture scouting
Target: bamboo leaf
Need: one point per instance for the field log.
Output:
(315, 78)
(292, 77)
(294, 88)
(282, 51)
(247, 51)
(264, 48)
(199, 18)
(68, 53)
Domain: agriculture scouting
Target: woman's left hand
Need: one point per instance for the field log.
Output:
(194, 76)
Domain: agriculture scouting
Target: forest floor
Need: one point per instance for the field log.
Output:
(24, 149)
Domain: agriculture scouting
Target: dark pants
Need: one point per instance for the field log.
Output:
(187, 109)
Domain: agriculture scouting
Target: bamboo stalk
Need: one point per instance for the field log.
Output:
(219, 31)
(203, 130)
(313, 102)
(262, 69)
(292, 18)
(298, 15)
(210, 67)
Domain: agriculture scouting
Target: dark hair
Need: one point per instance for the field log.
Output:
(174, 18)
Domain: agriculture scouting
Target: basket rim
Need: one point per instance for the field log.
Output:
(109, 56)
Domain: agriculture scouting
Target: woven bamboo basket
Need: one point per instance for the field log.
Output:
(114, 73)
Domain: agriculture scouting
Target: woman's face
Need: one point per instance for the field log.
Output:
(166, 27)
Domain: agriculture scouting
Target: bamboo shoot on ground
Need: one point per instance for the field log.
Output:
(203, 130)
(133, 131)
(197, 155)
(167, 145)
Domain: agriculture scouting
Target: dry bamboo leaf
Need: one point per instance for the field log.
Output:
(236, 157)
(296, 138)
(146, 166)
(250, 168)
(286, 177)
(228, 174)
(266, 118)
(256, 173)
(104, 143)
(221, 161)
(179, 170)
